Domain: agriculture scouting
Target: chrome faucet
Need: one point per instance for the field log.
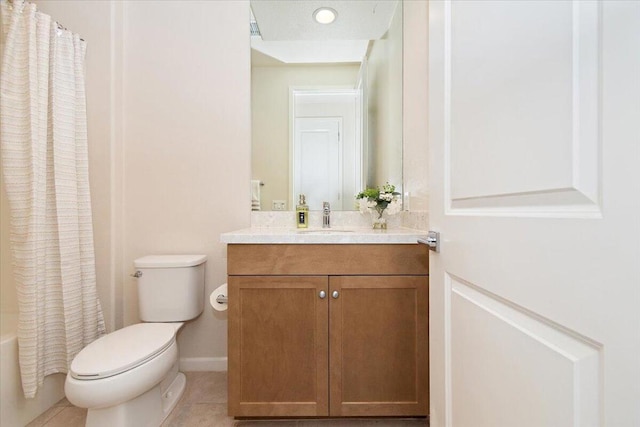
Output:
(326, 215)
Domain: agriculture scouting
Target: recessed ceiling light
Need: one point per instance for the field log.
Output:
(325, 15)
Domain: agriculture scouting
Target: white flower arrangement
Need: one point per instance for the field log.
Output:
(380, 200)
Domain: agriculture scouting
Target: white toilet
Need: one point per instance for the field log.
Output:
(130, 377)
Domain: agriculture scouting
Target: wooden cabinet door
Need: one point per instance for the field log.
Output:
(278, 346)
(379, 345)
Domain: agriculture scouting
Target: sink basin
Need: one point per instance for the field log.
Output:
(324, 231)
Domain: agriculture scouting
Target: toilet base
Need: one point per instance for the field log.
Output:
(149, 409)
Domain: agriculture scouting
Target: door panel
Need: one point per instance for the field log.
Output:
(535, 189)
(517, 360)
(523, 140)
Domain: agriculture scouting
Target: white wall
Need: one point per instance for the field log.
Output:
(415, 106)
(186, 156)
(384, 118)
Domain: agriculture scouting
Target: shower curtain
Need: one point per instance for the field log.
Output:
(43, 128)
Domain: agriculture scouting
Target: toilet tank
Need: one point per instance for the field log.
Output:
(170, 287)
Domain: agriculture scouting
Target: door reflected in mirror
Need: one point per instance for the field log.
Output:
(326, 101)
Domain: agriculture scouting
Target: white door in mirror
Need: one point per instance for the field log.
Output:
(318, 153)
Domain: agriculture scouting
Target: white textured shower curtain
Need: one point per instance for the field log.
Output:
(43, 128)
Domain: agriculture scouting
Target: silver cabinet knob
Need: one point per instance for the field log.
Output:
(322, 294)
(335, 294)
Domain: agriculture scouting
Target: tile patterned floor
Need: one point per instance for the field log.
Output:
(204, 404)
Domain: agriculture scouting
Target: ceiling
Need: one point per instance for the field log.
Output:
(291, 35)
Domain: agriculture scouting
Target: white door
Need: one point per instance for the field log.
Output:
(535, 188)
(318, 161)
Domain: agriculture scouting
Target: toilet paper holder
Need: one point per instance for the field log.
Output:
(219, 299)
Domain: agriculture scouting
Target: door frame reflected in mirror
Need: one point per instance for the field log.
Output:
(315, 177)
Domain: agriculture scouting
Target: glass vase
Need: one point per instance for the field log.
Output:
(378, 220)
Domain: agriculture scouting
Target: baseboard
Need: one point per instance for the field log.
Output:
(200, 364)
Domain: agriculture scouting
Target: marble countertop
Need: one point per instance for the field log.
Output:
(334, 235)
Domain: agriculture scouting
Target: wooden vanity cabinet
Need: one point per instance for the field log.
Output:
(361, 350)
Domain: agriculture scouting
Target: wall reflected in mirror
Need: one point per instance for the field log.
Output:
(326, 102)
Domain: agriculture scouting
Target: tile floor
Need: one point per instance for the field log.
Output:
(204, 403)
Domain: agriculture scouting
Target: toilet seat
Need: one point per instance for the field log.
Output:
(122, 350)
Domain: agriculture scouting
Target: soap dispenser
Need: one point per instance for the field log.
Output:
(302, 213)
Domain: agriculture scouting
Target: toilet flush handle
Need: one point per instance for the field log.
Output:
(136, 274)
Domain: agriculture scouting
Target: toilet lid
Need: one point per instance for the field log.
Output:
(122, 350)
(169, 261)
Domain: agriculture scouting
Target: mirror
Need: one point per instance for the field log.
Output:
(326, 101)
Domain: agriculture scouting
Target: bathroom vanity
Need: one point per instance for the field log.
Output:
(328, 324)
